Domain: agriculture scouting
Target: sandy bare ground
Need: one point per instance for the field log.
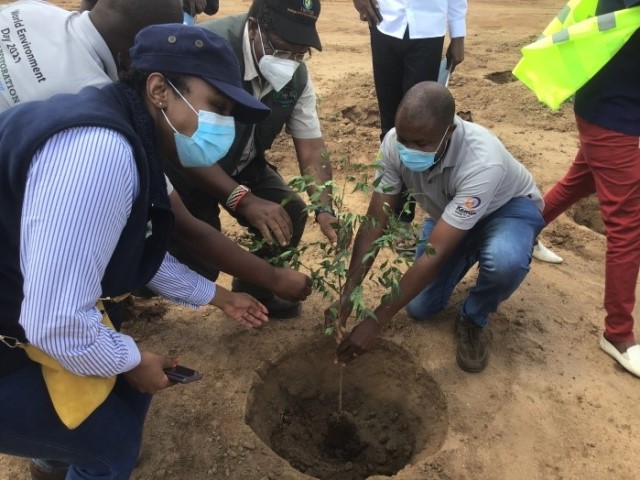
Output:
(549, 405)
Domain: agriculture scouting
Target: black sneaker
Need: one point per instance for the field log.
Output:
(472, 354)
(47, 469)
(279, 308)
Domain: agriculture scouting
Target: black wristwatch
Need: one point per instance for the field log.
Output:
(323, 209)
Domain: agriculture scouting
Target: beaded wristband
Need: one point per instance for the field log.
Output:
(234, 198)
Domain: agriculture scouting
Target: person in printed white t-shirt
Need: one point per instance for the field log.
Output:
(45, 50)
(483, 206)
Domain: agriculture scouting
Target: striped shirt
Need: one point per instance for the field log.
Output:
(79, 193)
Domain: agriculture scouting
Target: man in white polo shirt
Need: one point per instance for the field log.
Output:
(407, 40)
(483, 207)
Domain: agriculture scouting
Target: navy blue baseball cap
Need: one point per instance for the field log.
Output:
(190, 50)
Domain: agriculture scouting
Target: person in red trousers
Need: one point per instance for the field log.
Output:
(607, 112)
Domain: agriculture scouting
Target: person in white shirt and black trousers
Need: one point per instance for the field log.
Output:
(407, 38)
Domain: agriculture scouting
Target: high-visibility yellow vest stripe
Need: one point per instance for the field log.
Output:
(573, 12)
(573, 48)
(606, 21)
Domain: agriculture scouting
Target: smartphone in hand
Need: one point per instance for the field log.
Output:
(180, 374)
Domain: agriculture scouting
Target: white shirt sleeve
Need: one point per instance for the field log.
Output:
(456, 17)
(181, 285)
(78, 196)
(304, 122)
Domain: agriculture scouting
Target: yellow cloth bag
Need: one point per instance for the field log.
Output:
(74, 397)
(573, 48)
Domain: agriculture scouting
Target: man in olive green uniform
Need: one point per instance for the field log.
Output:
(271, 42)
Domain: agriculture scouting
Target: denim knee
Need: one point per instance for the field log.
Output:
(420, 311)
(504, 272)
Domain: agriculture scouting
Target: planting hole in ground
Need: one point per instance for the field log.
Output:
(393, 412)
(587, 212)
(501, 77)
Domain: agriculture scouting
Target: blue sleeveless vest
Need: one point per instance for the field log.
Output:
(23, 131)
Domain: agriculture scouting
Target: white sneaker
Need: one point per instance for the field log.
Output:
(542, 253)
(630, 359)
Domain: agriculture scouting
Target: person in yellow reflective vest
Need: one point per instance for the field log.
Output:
(576, 44)
(607, 110)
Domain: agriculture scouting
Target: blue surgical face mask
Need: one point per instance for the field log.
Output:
(209, 143)
(417, 160)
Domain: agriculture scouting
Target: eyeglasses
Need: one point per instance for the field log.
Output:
(289, 55)
(284, 54)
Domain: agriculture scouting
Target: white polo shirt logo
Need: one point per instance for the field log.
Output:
(468, 207)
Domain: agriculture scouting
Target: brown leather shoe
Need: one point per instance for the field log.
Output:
(472, 352)
(47, 469)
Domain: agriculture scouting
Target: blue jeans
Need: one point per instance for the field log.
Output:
(501, 243)
(105, 446)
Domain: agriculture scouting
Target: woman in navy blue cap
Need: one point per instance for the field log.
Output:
(80, 184)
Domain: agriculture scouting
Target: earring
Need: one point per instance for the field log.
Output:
(161, 105)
